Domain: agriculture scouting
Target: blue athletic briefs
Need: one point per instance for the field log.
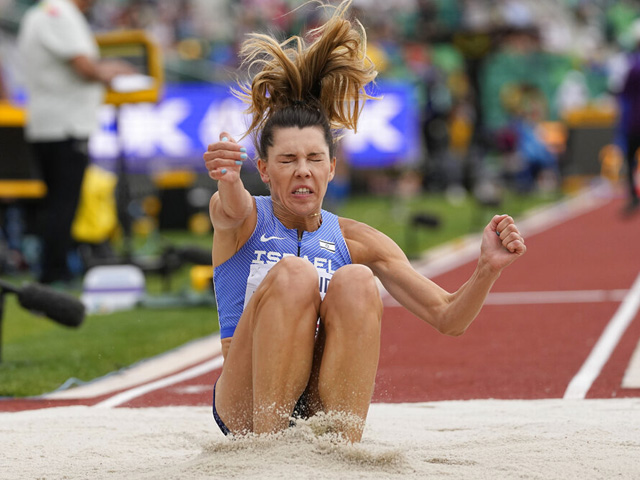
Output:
(236, 279)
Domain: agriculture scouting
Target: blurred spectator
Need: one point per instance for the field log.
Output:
(630, 120)
(573, 93)
(560, 47)
(527, 160)
(65, 81)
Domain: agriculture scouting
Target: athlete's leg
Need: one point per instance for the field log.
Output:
(348, 348)
(269, 360)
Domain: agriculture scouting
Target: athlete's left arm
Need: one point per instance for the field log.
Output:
(449, 313)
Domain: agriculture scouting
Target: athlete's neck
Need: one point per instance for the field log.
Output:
(308, 223)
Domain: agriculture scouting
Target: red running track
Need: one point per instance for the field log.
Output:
(521, 350)
(524, 351)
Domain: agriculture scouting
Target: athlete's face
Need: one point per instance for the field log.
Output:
(298, 169)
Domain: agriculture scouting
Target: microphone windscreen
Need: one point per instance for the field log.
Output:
(196, 255)
(58, 306)
(426, 220)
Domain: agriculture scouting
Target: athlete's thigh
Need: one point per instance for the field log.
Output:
(234, 389)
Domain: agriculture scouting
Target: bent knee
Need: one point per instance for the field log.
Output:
(288, 299)
(354, 287)
(354, 280)
(293, 277)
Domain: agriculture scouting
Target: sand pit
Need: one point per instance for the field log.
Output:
(479, 439)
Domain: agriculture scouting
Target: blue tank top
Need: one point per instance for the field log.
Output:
(237, 279)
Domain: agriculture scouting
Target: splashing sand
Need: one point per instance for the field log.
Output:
(483, 439)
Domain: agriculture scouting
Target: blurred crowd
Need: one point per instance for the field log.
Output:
(500, 84)
(489, 73)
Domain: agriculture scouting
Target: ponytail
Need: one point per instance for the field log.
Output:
(292, 84)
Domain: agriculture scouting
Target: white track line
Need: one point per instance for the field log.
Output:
(567, 296)
(544, 297)
(631, 377)
(128, 395)
(145, 371)
(581, 383)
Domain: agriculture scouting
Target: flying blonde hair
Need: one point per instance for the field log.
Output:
(329, 74)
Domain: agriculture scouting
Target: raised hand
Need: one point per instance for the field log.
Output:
(224, 159)
(502, 243)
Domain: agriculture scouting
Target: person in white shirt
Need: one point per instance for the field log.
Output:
(65, 82)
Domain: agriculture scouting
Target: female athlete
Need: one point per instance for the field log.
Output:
(298, 302)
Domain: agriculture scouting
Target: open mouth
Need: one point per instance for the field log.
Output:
(302, 191)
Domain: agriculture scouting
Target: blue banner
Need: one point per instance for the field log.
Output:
(175, 132)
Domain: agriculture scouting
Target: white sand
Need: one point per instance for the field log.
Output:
(480, 439)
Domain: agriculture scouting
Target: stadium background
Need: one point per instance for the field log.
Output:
(478, 98)
(473, 89)
(465, 78)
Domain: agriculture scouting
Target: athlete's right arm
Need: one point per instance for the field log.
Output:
(232, 204)
(231, 209)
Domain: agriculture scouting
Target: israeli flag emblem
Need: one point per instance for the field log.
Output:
(329, 246)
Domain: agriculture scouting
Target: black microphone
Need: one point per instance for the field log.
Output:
(196, 255)
(61, 307)
(425, 220)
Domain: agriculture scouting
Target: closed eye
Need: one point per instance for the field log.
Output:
(286, 158)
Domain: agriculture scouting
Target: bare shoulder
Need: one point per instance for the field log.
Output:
(367, 245)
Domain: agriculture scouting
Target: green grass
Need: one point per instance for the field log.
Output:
(38, 356)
